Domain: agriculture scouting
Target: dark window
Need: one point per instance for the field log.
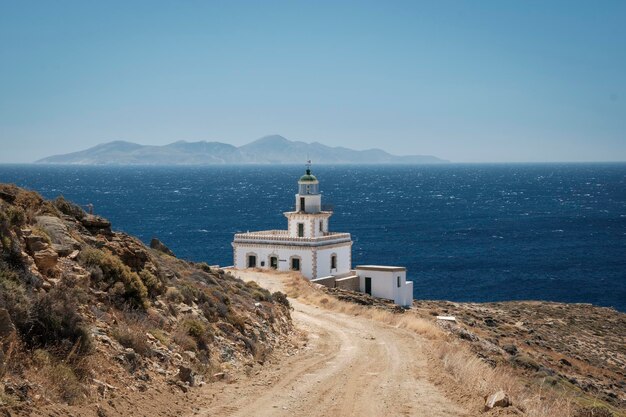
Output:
(262, 263)
(295, 264)
(321, 226)
(300, 229)
(398, 282)
(302, 204)
(251, 261)
(333, 262)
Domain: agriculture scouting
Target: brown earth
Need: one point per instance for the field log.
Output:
(349, 366)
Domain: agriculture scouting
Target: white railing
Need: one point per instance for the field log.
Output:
(277, 236)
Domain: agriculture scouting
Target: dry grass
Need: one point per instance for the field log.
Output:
(468, 372)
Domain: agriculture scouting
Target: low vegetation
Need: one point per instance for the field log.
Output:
(466, 368)
(112, 309)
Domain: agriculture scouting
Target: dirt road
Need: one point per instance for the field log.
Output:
(350, 366)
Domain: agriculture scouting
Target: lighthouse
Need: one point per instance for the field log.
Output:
(306, 246)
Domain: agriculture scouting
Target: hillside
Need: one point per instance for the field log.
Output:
(93, 316)
(267, 150)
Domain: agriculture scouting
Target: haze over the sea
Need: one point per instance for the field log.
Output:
(490, 81)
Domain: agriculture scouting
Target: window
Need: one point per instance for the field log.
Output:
(333, 262)
(295, 264)
(321, 226)
(398, 282)
(300, 229)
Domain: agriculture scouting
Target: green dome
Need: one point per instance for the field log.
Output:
(308, 177)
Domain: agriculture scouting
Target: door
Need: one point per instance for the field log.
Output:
(274, 262)
(295, 264)
(368, 285)
(251, 261)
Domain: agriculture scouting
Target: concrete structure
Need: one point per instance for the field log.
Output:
(306, 246)
(386, 282)
(322, 256)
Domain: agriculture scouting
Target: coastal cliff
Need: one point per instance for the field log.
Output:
(93, 316)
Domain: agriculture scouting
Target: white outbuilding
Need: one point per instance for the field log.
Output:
(386, 282)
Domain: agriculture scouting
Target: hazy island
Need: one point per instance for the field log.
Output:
(273, 149)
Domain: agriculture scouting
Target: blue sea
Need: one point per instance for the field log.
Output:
(465, 232)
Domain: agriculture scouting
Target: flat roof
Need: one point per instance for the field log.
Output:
(381, 268)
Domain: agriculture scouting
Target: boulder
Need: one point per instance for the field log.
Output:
(187, 375)
(62, 242)
(499, 399)
(46, 259)
(96, 224)
(160, 246)
(35, 243)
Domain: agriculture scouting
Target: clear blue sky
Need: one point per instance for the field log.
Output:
(468, 81)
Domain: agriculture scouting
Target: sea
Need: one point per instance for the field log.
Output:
(465, 232)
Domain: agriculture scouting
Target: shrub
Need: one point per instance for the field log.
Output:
(114, 271)
(69, 208)
(56, 323)
(281, 298)
(199, 332)
(173, 295)
(14, 298)
(66, 382)
(151, 282)
(134, 337)
(16, 216)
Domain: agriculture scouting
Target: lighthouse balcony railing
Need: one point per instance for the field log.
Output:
(283, 236)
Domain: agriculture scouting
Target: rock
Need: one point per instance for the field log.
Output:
(35, 243)
(510, 349)
(45, 259)
(187, 375)
(499, 399)
(96, 224)
(160, 246)
(565, 362)
(62, 242)
(219, 376)
(489, 322)
(189, 355)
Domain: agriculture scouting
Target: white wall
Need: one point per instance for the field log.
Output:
(241, 251)
(343, 260)
(385, 285)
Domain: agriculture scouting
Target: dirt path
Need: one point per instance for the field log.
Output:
(349, 367)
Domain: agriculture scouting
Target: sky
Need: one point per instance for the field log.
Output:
(468, 81)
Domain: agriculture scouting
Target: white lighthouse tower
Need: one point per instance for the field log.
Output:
(306, 246)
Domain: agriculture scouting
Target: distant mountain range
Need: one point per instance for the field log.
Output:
(273, 149)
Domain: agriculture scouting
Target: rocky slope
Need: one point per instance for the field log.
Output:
(89, 315)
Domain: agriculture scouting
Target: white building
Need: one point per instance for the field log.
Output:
(386, 282)
(321, 256)
(306, 246)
